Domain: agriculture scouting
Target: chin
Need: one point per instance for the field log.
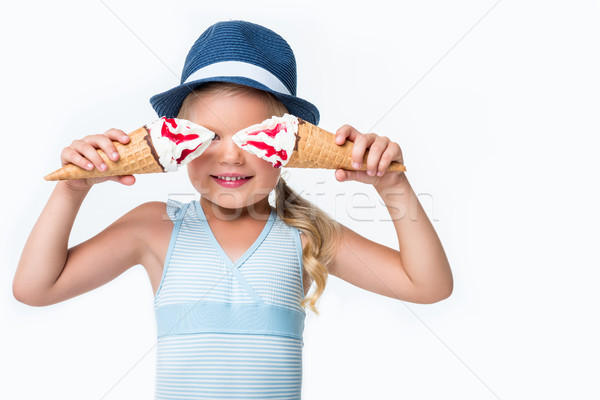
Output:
(236, 205)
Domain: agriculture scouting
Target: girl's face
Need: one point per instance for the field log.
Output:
(225, 115)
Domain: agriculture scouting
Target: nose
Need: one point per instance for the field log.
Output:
(230, 153)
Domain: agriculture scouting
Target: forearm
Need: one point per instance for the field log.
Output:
(45, 251)
(421, 251)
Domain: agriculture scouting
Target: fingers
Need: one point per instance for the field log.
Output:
(126, 180)
(376, 150)
(117, 135)
(361, 142)
(82, 152)
(381, 152)
(105, 143)
(85, 154)
(70, 155)
(391, 153)
(340, 175)
(346, 132)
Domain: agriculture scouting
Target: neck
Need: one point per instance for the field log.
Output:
(258, 211)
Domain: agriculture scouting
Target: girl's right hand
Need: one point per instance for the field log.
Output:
(82, 152)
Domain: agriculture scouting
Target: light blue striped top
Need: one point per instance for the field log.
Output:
(229, 330)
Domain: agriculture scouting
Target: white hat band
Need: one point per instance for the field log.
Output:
(241, 69)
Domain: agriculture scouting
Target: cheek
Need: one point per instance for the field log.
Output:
(272, 176)
(195, 168)
(267, 170)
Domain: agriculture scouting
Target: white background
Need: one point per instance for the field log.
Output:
(497, 136)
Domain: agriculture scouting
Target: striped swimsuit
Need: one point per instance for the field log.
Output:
(229, 330)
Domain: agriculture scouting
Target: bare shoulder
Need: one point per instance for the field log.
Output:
(155, 233)
(154, 228)
(147, 220)
(134, 238)
(153, 212)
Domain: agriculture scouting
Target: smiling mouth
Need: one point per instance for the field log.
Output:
(231, 178)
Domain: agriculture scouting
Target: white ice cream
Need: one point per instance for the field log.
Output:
(178, 141)
(273, 140)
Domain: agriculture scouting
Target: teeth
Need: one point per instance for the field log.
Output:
(231, 178)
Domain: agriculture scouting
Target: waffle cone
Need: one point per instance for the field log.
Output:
(316, 148)
(136, 157)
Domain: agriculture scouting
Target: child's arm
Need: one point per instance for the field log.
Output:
(419, 272)
(49, 272)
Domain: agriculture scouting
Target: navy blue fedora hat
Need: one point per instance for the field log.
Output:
(244, 53)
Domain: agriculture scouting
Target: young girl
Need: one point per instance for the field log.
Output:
(230, 272)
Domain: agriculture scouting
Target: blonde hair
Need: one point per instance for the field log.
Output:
(321, 231)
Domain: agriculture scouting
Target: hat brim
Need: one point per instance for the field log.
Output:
(167, 104)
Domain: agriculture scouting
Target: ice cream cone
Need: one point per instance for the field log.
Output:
(316, 148)
(136, 157)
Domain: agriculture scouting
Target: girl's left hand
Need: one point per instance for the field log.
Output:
(382, 152)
